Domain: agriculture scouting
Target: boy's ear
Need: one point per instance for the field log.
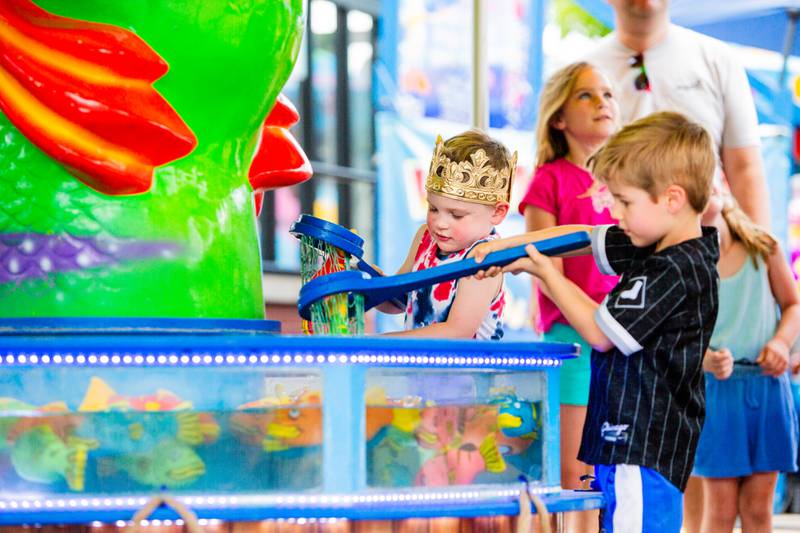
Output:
(676, 198)
(499, 213)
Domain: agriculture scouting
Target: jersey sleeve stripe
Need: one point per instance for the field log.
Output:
(599, 250)
(615, 332)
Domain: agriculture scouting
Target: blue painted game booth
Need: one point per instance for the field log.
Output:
(242, 423)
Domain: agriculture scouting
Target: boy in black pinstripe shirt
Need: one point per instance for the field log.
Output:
(646, 399)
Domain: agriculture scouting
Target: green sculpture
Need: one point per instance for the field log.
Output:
(133, 139)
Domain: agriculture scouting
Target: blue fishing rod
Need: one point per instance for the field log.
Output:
(376, 290)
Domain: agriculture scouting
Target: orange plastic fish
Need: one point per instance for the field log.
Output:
(61, 423)
(194, 428)
(383, 411)
(101, 397)
(292, 425)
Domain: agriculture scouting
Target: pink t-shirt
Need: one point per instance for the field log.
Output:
(571, 194)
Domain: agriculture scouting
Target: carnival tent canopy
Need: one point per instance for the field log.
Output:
(768, 24)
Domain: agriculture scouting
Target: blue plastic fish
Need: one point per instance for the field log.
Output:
(518, 418)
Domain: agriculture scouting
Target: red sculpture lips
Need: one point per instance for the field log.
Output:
(82, 92)
(279, 161)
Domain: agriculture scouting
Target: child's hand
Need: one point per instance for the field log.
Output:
(488, 273)
(794, 362)
(719, 363)
(480, 252)
(537, 264)
(774, 357)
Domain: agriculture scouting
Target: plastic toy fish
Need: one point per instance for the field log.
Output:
(15, 419)
(460, 466)
(170, 464)
(41, 456)
(394, 458)
(42, 448)
(193, 428)
(518, 418)
(101, 397)
(286, 423)
(383, 411)
(465, 442)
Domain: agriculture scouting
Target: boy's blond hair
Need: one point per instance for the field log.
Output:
(551, 143)
(657, 151)
(460, 147)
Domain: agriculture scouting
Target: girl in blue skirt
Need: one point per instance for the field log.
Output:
(751, 428)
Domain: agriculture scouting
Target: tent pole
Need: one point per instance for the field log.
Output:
(788, 42)
(480, 88)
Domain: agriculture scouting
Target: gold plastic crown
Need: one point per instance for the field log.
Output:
(472, 181)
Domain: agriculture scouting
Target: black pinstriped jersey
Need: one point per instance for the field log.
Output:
(646, 398)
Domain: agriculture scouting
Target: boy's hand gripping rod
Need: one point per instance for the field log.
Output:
(380, 289)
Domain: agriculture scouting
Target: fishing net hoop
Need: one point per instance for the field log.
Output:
(338, 314)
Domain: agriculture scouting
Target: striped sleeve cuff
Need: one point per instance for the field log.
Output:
(599, 250)
(614, 331)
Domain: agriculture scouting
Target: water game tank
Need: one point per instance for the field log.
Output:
(239, 423)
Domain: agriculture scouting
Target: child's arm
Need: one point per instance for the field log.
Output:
(774, 357)
(388, 307)
(484, 249)
(636, 309)
(537, 219)
(576, 306)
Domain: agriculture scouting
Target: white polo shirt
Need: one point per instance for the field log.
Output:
(690, 73)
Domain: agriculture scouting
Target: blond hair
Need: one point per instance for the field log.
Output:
(460, 147)
(657, 151)
(551, 143)
(756, 240)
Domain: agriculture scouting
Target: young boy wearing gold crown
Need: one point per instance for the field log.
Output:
(468, 185)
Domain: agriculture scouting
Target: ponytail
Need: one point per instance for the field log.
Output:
(755, 239)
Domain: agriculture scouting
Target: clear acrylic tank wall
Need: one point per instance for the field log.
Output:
(242, 423)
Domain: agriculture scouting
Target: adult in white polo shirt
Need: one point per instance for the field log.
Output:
(658, 66)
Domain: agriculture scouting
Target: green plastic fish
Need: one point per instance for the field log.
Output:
(41, 456)
(394, 458)
(169, 464)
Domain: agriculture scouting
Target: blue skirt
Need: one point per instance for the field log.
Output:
(751, 426)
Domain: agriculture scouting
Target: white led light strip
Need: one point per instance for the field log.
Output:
(240, 359)
(421, 497)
